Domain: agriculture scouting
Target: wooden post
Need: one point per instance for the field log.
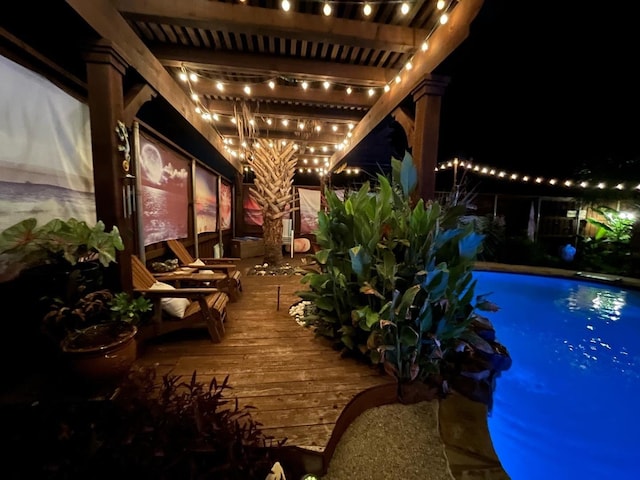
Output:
(105, 71)
(428, 98)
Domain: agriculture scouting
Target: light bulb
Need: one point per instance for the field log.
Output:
(387, 87)
(272, 84)
(183, 76)
(326, 85)
(366, 9)
(305, 85)
(247, 89)
(371, 92)
(326, 9)
(404, 9)
(425, 46)
(193, 77)
(444, 18)
(349, 90)
(220, 86)
(286, 6)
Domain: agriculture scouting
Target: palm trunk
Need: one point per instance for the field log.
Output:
(272, 240)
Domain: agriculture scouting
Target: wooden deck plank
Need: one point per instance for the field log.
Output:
(296, 381)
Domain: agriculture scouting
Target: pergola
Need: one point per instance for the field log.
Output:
(334, 78)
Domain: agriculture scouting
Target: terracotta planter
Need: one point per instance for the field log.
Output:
(101, 354)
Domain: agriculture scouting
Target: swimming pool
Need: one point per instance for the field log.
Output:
(568, 407)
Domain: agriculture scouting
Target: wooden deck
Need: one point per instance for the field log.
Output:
(298, 383)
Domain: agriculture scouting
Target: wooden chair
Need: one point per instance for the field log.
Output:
(207, 306)
(231, 285)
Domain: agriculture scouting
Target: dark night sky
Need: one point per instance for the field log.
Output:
(545, 89)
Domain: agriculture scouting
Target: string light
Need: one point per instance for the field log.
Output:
(486, 170)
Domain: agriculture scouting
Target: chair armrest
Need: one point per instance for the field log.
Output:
(221, 259)
(178, 292)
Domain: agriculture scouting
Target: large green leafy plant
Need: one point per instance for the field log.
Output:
(395, 280)
(73, 241)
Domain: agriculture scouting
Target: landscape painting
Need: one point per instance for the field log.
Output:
(225, 206)
(206, 200)
(165, 195)
(45, 159)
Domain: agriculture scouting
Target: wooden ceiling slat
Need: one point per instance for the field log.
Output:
(192, 35)
(157, 32)
(347, 54)
(256, 20)
(260, 41)
(146, 31)
(325, 51)
(335, 51)
(383, 61)
(169, 33)
(204, 37)
(313, 52)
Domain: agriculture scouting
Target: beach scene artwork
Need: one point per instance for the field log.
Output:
(251, 209)
(46, 168)
(165, 196)
(309, 208)
(225, 206)
(206, 202)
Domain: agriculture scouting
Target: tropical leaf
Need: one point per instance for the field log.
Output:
(408, 175)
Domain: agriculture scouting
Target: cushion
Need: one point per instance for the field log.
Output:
(173, 306)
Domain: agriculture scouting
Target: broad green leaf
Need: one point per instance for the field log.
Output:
(469, 245)
(408, 336)
(322, 256)
(408, 175)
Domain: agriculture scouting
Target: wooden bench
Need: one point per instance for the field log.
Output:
(207, 307)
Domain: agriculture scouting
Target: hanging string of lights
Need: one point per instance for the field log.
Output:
(191, 78)
(513, 176)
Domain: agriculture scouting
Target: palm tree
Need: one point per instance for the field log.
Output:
(274, 166)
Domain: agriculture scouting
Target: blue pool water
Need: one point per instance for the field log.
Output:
(569, 406)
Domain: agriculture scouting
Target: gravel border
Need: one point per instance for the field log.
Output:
(393, 441)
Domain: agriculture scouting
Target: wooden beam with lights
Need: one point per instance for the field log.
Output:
(287, 94)
(239, 18)
(251, 63)
(328, 138)
(441, 43)
(108, 23)
(290, 111)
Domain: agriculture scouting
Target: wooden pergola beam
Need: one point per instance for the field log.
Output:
(199, 58)
(295, 110)
(441, 43)
(231, 17)
(289, 135)
(137, 96)
(109, 24)
(283, 93)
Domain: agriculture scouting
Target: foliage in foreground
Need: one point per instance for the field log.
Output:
(170, 430)
(395, 281)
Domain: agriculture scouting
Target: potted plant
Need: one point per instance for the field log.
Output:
(61, 259)
(97, 333)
